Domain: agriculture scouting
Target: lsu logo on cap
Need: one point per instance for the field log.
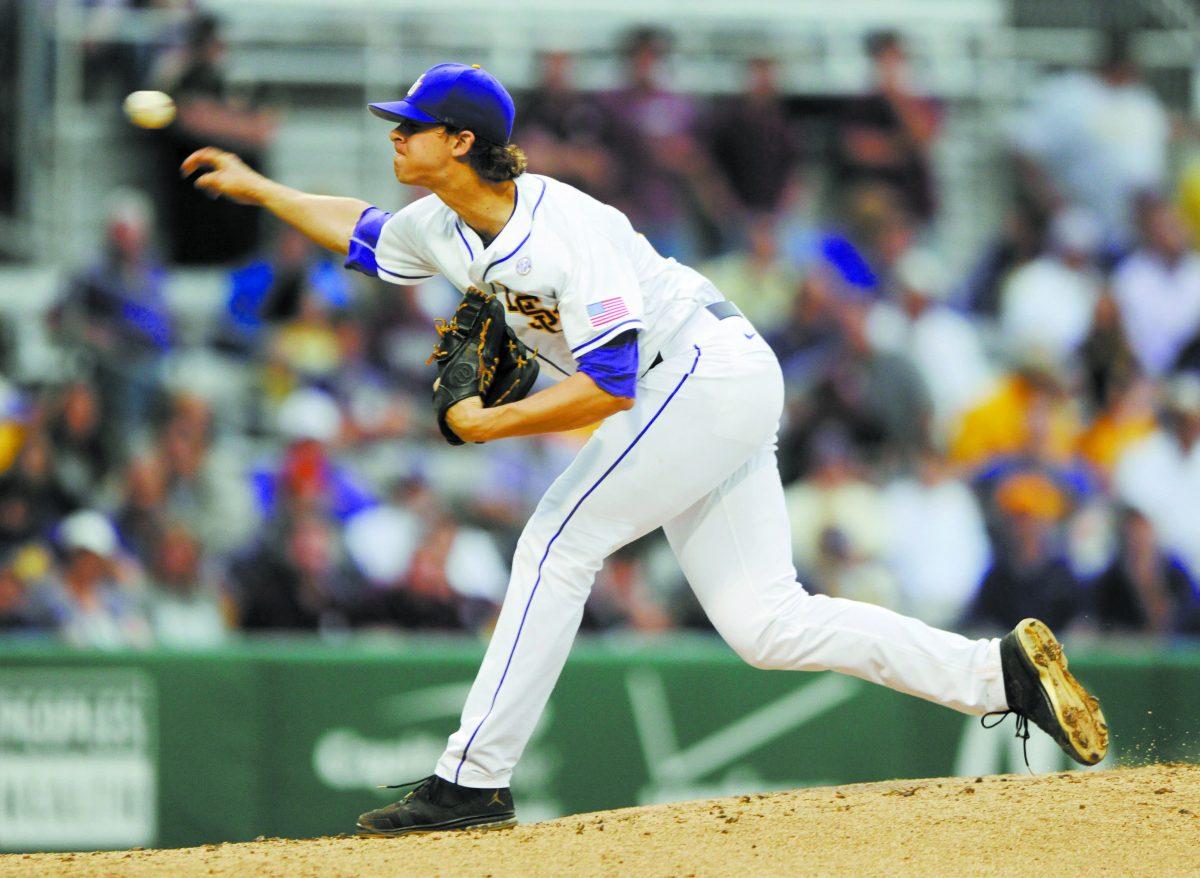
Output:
(416, 85)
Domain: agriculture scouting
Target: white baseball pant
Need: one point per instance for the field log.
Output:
(695, 456)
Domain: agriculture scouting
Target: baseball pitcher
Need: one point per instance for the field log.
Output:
(690, 397)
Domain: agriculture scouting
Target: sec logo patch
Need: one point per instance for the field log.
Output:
(524, 265)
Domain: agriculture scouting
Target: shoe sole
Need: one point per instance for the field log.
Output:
(462, 823)
(1077, 710)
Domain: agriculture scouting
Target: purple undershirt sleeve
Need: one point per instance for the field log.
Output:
(364, 239)
(614, 366)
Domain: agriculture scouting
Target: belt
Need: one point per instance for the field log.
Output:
(720, 310)
(723, 309)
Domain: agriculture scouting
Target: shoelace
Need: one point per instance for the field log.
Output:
(415, 784)
(1022, 724)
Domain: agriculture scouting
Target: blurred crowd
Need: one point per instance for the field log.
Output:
(971, 446)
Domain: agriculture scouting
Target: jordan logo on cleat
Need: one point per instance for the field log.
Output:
(496, 799)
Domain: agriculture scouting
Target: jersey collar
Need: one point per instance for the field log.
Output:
(487, 262)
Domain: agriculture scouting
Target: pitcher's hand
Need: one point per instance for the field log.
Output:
(228, 175)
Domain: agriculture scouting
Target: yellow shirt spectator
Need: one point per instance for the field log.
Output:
(1020, 413)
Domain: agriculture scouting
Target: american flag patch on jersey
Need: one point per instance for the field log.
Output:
(606, 311)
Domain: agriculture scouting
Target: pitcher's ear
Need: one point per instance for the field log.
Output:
(461, 143)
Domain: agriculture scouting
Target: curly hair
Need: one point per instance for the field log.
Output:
(494, 162)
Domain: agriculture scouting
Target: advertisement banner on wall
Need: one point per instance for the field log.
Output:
(174, 749)
(78, 759)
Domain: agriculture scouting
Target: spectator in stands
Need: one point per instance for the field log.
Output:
(886, 135)
(307, 345)
(565, 132)
(88, 605)
(1107, 359)
(806, 338)
(1042, 447)
(620, 598)
(187, 607)
(399, 339)
(1038, 461)
(1160, 475)
(296, 578)
(663, 169)
(759, 279)
(427, 583)
(425, 598)
(20, 610)
(117, 314)
(880, 230)
(309, 479)
(82, 456)
(755, 144)
(1020, 240)
(373, 410)
(139, 517)
(919, 326)
(938, 546)
(207, 484)
(841, 571)
(14, 410)
(1144, 590)
(839, 525)
(1029, 576)
(876, 396)
(1096, 139)
(1047, 305)
(1127, 419)
(294, 279)
(14, 601)
(1034, 396)
(427, 570)
(1157, 288)
(517, 475)
(32, 501)
(200, 230)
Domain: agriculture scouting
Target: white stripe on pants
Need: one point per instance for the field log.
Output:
(694, 455)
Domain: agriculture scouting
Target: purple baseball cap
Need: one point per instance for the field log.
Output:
(461, 95)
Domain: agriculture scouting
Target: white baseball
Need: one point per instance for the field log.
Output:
(149, 109)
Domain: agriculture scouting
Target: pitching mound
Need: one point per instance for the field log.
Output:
(1139, 821)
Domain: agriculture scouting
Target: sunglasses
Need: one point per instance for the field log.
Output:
(409, 127)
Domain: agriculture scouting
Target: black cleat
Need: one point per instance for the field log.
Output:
(435, 804)
(1039, 688)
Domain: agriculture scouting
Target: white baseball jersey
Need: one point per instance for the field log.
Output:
(572, 272)
(695, 455)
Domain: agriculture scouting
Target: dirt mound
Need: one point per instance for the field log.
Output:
(1137, 821)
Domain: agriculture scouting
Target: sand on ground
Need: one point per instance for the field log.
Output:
(1123, 822)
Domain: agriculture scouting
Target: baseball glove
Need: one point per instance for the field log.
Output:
(478, 355)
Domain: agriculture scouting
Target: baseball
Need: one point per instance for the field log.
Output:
(149, 109)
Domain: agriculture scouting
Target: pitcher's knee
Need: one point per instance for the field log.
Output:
(765, 658)
(780, 639)
(754, 645)
(756, 658)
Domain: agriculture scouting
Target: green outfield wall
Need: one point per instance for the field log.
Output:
(291, 738)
